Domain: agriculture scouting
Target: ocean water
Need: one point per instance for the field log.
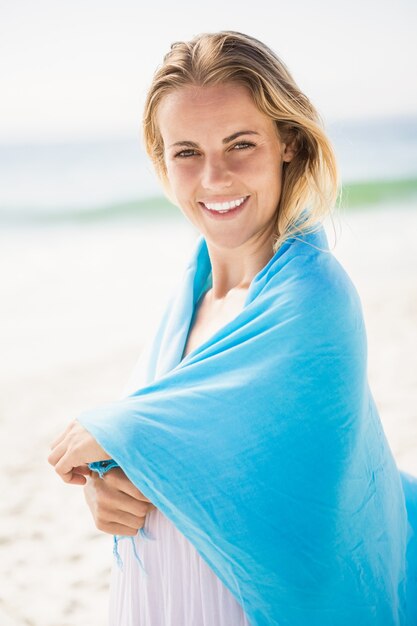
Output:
(72, 178)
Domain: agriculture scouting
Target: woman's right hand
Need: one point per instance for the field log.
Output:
(117, 506)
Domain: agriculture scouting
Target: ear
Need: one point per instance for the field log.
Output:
(289, 151)
(289, 139)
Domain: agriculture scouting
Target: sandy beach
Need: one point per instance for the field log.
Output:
(77, 302)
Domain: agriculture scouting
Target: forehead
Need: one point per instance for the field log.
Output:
(195, 108)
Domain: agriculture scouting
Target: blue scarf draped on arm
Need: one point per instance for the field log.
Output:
(265, 449)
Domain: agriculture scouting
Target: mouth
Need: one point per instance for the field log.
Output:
(222, 210)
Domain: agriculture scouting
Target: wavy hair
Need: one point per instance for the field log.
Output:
(310, 179)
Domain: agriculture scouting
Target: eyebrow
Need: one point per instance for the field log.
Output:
(192, 144)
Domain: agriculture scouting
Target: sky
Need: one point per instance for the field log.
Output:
(75, 69)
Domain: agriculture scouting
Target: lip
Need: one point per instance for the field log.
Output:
(225, 216)
(222, 199)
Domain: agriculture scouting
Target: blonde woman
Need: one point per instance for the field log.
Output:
(249, 453)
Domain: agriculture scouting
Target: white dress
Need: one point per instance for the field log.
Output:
(178, 588)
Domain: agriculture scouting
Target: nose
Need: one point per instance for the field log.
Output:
(215, 174)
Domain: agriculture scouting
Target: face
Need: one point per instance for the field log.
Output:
(224, 162)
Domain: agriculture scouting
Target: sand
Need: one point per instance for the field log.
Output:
(77, 303)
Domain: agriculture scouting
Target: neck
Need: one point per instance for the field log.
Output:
(233, 269)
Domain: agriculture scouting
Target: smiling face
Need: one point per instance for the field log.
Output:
(223, 161)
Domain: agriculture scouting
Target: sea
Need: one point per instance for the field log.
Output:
(41, 180)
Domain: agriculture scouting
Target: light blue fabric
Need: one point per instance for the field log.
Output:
(264, 447)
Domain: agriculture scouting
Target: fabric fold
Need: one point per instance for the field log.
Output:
(265, 449)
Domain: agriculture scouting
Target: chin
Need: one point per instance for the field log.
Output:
(225, 240)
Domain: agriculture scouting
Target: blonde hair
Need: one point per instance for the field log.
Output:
(310, 179)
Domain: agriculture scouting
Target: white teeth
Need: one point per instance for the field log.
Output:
(222, 207)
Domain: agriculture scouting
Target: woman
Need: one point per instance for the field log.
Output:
(250, 441)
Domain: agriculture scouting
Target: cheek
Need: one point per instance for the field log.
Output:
(273, 174)
(264, 177)
(181, 178)
(262, 167)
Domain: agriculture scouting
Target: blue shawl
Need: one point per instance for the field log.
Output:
(265, 449)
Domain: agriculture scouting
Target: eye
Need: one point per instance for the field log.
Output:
(184, 154)
(243, 145)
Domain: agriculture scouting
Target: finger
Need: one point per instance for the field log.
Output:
(76, 479)
(57, 441)
(57, 453)
(110, 499)
(123, 518)
(137, 508)
(79, 475)
(74, 475)
(83, 469)
(126, 504)
(66, 465)
(61, 437)
(118, 479)
(118, 529)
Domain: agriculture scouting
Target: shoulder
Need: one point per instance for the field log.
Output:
(316, 273)
(311, 289)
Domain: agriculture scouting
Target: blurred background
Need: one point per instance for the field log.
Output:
(89, 248)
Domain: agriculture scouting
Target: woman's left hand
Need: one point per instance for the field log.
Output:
(71, 452)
